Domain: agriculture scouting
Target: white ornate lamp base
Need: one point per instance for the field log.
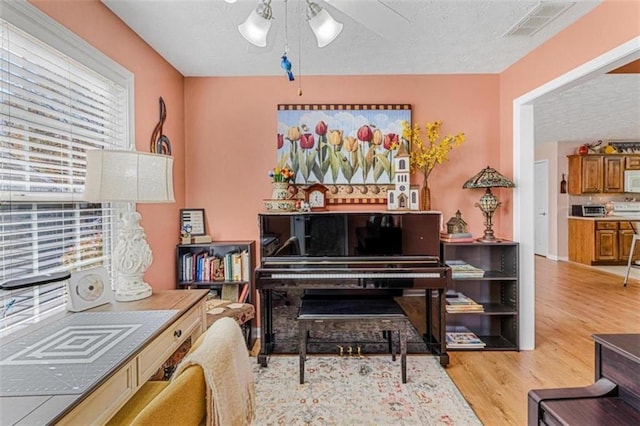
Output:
(130, 294)
(132, 257)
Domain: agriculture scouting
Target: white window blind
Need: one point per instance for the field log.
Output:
(52, 110)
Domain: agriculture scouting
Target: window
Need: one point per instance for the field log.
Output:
(57, 102)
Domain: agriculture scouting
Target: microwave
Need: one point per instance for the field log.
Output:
(588, 210)
(632, 181)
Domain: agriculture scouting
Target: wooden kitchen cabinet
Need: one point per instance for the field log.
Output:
(606, 241)
(632, 162)
(599, 242)
(585, 174)
(599, 173)
(625, 237)
(613, 179)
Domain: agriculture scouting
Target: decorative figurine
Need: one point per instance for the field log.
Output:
(286, 65)
(341, 350)
(403, 196)
(185, 234)
(456, 225)
(160, 143)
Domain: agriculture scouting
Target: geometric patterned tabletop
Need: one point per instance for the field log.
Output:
(69, 355)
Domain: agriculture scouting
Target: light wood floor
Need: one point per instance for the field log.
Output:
(572, 303)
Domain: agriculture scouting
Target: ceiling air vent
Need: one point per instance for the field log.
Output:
(543, 13)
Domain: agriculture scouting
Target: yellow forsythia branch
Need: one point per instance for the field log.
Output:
(425, 154)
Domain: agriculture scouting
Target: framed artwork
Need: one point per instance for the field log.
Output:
(193, 219)
(347, 147)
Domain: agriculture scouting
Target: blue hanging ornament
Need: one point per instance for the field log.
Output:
(286, 65)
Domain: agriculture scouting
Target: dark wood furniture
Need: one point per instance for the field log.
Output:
(496, 291)
(226, 289)
(614, 398)
(359, 251)
(216, 249)
(381, 314)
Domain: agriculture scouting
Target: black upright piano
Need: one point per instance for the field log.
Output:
(362, 252)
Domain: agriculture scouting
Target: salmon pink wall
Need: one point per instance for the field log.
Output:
(231, 137)
(609, 25)
(154, 77)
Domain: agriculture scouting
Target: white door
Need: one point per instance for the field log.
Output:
(541, 205)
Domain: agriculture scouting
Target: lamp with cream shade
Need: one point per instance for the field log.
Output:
(132, 177)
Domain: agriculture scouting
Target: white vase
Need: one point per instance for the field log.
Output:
(280, 191)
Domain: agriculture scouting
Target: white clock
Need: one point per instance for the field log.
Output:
(316, 196)
(88, 289)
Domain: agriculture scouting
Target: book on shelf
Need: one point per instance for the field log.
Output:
(457, 240)
(462, 269)
(235, 292)
(229, 292)
(453, 309)
(205, 267)
(244, 293)
(458, 302)
(456, 235)
(201, 267)
(246, 266)
(460, 337)
(217, 269)
(458, 298)
(236, 267)
(186, 261)
(201, 239)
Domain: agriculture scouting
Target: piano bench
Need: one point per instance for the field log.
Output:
(377, 314)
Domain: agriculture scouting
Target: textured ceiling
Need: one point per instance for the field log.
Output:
(200, 38)
(605, 108)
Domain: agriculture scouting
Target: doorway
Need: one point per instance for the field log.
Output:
(523, 171)
(541, 207)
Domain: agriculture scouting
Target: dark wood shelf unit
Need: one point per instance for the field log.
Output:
(496, 291)
(219, 249)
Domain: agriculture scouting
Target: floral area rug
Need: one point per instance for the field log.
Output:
(352, 390)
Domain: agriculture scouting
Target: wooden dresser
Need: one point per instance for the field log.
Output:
(105, 397)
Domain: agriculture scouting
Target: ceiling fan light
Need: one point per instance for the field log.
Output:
(257, 25)
(324, 27)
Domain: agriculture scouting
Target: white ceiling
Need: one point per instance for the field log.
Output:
(200, 38)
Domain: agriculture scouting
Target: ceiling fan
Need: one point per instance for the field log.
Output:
(378, 16)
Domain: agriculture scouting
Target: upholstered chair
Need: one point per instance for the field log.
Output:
(183, 400)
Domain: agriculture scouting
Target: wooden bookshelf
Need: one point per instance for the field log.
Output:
(496, 290)
(193, 259)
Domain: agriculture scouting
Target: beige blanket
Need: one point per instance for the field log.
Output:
(230, 384)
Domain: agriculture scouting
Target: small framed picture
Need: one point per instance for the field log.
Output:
(193, 219)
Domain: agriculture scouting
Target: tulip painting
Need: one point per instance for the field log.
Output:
(340, 144)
